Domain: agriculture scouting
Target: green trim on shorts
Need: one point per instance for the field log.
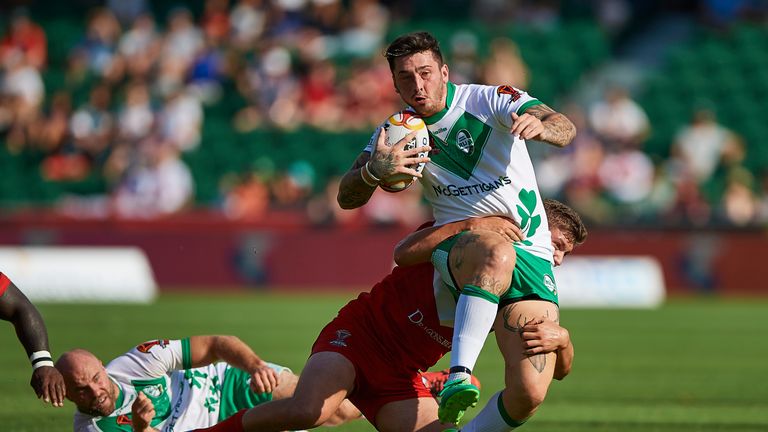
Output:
(476, 291)
(533, 278)
(236, 393)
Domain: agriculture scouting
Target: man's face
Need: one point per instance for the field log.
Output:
(421, 82)
(561, 243)
(89, 387)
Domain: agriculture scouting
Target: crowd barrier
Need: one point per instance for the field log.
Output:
(204, 251)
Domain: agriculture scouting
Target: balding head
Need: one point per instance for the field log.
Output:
(87, 382)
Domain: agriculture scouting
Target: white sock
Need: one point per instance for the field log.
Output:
(492, 418)
(475, 312)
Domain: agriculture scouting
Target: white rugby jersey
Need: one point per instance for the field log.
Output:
(183, 399)
(478, 168)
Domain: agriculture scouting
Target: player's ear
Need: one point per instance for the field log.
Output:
(444, 71)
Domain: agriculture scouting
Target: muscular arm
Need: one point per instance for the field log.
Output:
(30, 328)
(418, 246)
(353, 191)
(208, 349)
(558, 130)
(545, 336)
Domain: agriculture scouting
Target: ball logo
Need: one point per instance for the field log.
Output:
(465, 142)
(341, 335)
(408, 120)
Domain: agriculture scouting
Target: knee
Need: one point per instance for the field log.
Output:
(497, 255)
(307, 415)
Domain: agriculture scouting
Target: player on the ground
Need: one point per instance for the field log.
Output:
(173, 385)
(30, 329)
(479, 167)
(373, 350)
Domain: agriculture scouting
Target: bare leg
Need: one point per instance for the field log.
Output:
(322, 387)
(412, 415)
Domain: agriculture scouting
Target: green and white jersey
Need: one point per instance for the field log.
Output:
(478, 168)
(184, 398)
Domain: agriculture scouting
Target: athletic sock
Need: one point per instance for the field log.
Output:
(492, 418)
(232, 424)
(475, 313)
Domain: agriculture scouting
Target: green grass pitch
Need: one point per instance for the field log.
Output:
(692, 365)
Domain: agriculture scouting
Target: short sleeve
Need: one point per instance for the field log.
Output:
(154, 358)
(506, 100)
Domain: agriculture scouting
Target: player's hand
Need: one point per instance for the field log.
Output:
(542, 335)
(142, 413)
(264, 379)
(526, 126)
(48, 385)
(500, 224)
(386, 161)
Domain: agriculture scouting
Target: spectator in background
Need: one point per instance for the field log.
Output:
(181, 119)
(21, 92)
(465, 59)
(505, 65)
(93, 125)
(140, 47)
(247, 23)
(135, 117)
(700, 145)
(26, 37)
(739, 205)
(98, 50)
(158, 185)
(619, 120)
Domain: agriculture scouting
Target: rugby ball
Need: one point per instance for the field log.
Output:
(399, 125)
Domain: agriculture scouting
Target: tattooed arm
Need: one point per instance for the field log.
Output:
(543, 336)
(418, 246)
(354, 192)
(360, 181)
(542, 123)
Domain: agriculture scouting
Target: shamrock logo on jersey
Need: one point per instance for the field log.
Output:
(528, 222)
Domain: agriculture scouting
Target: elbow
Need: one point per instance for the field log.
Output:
(401, 255)
(561, 373)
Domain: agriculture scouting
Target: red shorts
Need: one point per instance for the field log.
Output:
(389, 335)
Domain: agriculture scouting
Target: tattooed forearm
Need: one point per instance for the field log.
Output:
(353, 193)
(558, 130)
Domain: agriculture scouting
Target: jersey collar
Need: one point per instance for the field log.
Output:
(434, 118)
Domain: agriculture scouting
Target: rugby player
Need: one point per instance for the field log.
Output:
(479, 167)
(30, 329)
(172, 385)
(372, 352)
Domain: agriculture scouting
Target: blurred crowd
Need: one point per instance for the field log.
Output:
(147, 87)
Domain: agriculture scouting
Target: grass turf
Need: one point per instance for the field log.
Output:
(693, 365)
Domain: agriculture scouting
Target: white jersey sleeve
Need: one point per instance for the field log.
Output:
(502, 101)
(372, 142)
(153, 359)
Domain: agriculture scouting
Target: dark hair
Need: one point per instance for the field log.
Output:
(565, 218)
(413, 43)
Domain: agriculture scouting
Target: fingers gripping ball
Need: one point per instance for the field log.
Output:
(398, 126)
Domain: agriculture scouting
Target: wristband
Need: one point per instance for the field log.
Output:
(40, 359)
(376, 180)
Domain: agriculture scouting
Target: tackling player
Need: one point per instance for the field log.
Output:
(30, 329)
(480, 167)
(372, 352)
(167, 385)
